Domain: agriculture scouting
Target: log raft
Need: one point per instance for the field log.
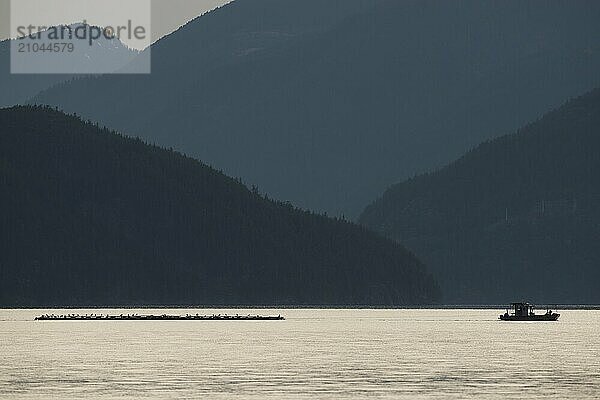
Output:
(163, 317)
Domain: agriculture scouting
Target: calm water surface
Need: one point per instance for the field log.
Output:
(354, 354)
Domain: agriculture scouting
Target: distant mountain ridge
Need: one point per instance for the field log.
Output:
(325, 103)
(517, 217)
(17, 89)
(89, 217)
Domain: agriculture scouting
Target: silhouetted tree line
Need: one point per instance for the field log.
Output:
(90, 217)
(517, 217)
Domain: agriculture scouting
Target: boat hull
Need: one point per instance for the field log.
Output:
(543, 317)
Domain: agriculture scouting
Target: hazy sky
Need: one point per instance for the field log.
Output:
(167, 15)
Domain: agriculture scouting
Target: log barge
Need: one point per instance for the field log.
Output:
(163, 317)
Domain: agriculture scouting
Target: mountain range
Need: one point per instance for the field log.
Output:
(103, 55)
(325, 103)
(517, 217)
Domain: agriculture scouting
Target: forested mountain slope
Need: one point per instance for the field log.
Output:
(88, 217)
(516, 218)
(348, 96)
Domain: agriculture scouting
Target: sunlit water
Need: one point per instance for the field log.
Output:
(313, 354)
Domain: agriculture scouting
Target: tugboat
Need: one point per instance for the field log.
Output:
(524, 312)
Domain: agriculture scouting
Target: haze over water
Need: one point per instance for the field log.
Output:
(313, 354)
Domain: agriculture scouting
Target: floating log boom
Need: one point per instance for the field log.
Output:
(163, 317)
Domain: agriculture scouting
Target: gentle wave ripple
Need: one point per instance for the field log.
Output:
(354, 354)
